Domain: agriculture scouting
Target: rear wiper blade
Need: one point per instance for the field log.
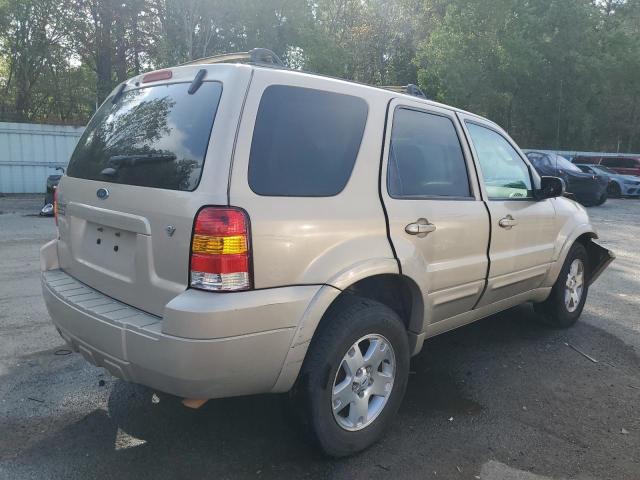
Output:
(119, 93)
(118, 161)
(141, 158)
(197, 82)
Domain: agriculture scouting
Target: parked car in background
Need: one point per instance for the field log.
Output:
(243, 240)
(569, 156)
(623, 165)
(52, 184)
(619, 185)
(587, 188)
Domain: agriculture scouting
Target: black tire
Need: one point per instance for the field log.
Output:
(554, 311)
(602, 199)
(614, 190)
(348, 320)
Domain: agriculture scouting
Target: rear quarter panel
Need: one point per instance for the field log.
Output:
(157, 268)
(310, 240)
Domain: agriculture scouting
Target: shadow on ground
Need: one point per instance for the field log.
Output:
(502, 390)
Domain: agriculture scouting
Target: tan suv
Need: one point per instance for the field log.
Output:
(232, 229)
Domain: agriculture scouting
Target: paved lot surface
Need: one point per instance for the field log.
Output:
(504, 398)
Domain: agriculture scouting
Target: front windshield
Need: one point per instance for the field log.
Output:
(564, 164)
(605, 169)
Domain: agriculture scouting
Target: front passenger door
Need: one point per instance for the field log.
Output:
(523, 231)
(438, 223)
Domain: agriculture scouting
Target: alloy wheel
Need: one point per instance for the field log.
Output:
(574, 286)
(363, 383)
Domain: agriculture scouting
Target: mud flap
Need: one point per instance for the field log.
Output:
(600, 258)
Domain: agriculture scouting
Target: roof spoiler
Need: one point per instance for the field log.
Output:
(410, 89)
(258, 56)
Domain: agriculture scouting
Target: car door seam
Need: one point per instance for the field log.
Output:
(486, 206)
(237, 134)
(384, 208)
(486, 278)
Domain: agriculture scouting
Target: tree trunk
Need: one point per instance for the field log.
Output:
(120, 36)
(104, 49)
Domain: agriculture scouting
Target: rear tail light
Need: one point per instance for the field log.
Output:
(220, 250)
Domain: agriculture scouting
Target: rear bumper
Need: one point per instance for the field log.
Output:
(135, 346)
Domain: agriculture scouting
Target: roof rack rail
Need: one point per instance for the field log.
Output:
(258, 56)
(410, 89)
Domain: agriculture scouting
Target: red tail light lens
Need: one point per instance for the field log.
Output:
(220, 250)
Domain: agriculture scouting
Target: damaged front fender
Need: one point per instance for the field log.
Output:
(599, 259)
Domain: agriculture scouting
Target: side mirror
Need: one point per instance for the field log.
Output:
(550, 187)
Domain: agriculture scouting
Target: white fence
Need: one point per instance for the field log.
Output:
(29, 153)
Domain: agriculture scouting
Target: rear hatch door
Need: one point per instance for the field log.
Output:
(146, 163)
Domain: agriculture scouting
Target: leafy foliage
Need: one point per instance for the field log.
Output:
(554, 73)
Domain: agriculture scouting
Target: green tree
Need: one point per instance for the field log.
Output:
(527, 65)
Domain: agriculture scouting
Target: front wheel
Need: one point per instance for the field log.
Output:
(614, 190)
(355, 375)
(569, 294)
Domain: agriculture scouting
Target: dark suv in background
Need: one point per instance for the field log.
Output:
(622, 165)
(587, 188)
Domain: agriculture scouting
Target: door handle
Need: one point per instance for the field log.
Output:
(420, 228)
(508, 222)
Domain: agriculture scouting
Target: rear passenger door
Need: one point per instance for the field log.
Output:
(523, 231)
(438, 224)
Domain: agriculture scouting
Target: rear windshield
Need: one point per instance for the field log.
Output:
(151, 137)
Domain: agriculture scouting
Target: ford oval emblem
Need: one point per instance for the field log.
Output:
(102, 193)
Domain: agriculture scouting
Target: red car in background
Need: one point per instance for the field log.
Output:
(622, 165)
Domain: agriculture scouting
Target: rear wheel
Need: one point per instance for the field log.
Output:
(354, 377)
(602, 199)
(569, 294)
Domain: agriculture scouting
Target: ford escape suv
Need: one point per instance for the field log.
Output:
(239, 228)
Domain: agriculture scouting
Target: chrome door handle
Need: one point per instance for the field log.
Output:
(508, 222)
(420, 228)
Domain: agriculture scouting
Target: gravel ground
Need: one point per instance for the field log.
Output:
(502, 399)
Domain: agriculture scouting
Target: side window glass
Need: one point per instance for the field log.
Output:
(305, 141)
(506, 176)
(425, 157)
